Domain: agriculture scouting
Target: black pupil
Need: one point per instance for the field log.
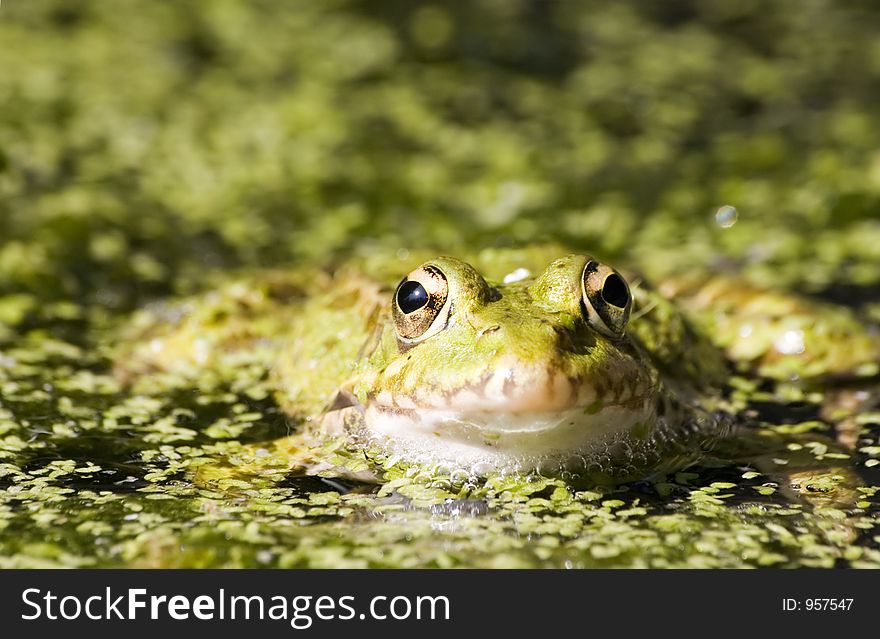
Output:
(614, 291)
(411, 296)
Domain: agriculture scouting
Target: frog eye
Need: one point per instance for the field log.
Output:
(420, 307)
(606, 297)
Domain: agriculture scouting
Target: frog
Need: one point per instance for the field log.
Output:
(511, 360)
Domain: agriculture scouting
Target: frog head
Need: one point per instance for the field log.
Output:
(506, 373)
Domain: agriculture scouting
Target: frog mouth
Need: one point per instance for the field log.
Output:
(515, 390)
(508, 420)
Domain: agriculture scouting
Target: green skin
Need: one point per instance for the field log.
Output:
(515, 377)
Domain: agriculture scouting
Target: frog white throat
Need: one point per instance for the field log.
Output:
(483, 441)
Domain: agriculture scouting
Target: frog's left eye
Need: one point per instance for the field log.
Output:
(420, 307)
(606, 297)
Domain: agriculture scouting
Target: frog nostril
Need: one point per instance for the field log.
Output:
(488, 330)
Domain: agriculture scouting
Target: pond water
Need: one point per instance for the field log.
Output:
(150, 151)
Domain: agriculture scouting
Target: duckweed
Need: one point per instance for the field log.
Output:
(151, 157)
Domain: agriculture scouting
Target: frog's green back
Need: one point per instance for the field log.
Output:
(777, 334)
(687, 357)
(326, 339)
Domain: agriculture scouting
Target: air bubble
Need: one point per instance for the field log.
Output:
(726, 216)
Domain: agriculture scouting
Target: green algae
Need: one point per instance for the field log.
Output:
(127, 497)
(148, 157)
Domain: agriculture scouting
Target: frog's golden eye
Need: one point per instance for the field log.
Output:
(606, 297)
(420, 307)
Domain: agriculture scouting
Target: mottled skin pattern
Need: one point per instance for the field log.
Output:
(534, 329)
(516, 342)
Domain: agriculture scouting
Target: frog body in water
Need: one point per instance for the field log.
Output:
(509, 361)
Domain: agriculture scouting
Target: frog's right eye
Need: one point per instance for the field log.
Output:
(420, 307)
(606, 298)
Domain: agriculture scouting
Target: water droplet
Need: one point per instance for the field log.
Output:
(726, 216)
(790, 343)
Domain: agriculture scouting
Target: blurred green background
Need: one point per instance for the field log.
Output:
(145, 144)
